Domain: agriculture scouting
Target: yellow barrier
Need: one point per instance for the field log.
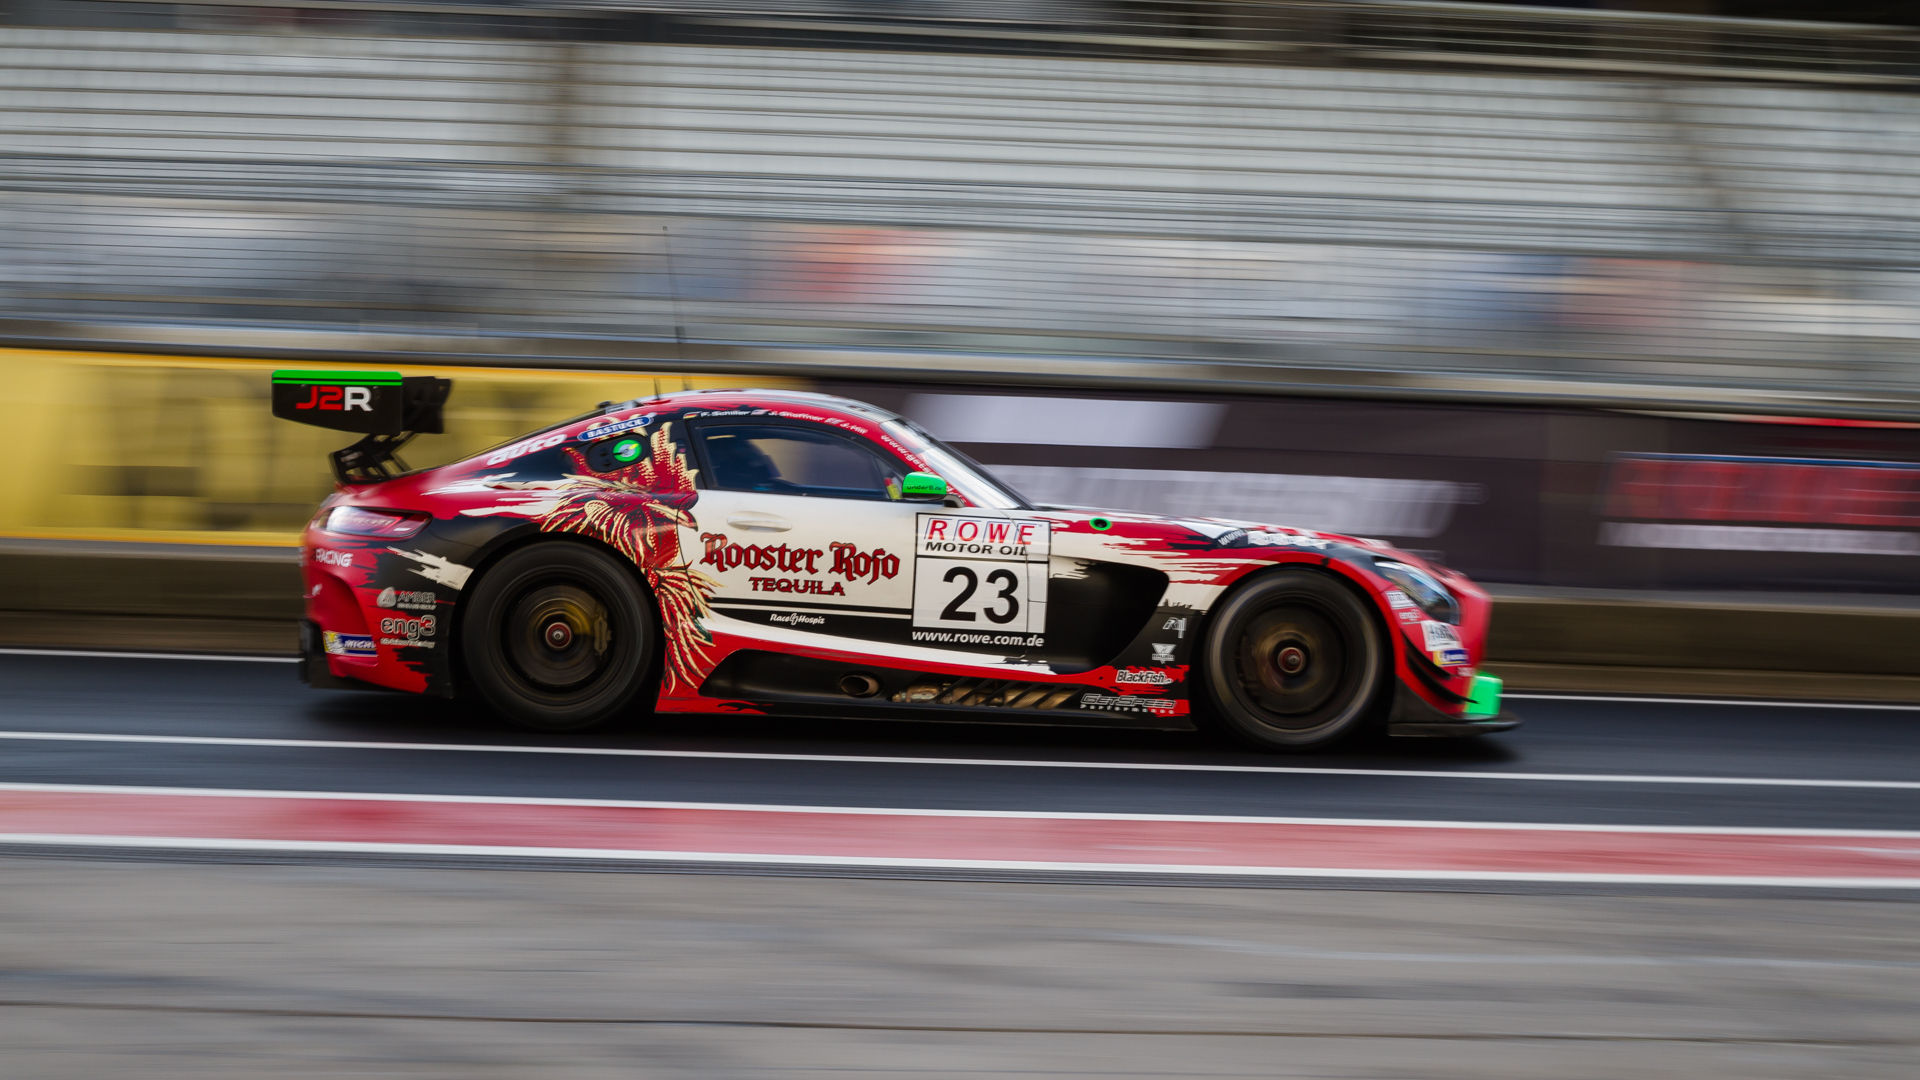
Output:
(174, 449)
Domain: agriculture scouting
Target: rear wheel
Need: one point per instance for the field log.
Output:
(1293, 660)
(559, 636)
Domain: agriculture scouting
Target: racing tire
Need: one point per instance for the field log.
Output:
(560, 636)
(1292, 661)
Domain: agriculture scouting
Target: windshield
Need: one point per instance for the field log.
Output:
(957, 469)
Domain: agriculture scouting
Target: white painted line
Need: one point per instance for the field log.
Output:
(1010, 763)
(153, 655)
(1709, 701)
(757, 859)
(1015, 815)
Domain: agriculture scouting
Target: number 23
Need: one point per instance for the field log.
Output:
(1007, 579)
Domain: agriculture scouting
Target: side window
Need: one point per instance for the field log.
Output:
(782, 459)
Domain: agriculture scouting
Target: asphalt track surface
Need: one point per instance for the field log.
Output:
(175, 964)
(67, 721)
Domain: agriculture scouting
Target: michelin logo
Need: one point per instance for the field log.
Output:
(348, 644)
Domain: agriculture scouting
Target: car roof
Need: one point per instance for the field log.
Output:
(782, 397)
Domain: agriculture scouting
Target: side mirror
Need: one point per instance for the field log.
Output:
(922, 487)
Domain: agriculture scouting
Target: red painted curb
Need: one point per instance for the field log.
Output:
(1107, 842)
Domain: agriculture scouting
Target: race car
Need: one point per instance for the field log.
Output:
(795, 554)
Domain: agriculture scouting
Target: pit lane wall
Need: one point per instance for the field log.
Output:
(153, 504)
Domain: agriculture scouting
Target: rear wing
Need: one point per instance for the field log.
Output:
(385, 406)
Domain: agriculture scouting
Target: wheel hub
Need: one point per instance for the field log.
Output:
(558, 636)
(1291, 662)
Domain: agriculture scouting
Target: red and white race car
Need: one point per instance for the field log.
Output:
(797, 554)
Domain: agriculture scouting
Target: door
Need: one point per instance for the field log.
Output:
(801, 526)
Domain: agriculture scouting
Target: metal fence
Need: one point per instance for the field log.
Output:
(1576, 212)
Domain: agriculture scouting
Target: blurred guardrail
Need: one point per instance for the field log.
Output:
(1438, 198)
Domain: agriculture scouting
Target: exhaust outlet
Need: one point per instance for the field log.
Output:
(859, 684)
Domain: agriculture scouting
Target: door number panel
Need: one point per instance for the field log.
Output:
(980, 577)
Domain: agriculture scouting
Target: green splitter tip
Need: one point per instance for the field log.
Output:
(1483, 701)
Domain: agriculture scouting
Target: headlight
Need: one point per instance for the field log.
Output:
(1427, 594)
(389, 524)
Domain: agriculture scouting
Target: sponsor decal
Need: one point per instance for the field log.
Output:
(1112, 703)
(1267, 539)
(853, 564)
(1163, 652)
(1443, 644)
(1178, 626)
(627, 451)
(410, 629)
(1410, 617)
(330, 557)
(348, 644)
(720, 552)
(1155, 677)
(410, 601)
(437, 568)
(812, 586)
(1232, 538)
(521, 449)
(797, 618)
(608, 431)
(341, 398)
(952, 637)
(942, 535)
(980, 573)
(1398, 600)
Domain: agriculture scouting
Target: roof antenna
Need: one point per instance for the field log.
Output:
(656, 388)
(673, 291)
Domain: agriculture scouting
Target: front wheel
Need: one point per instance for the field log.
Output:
(1292, 661)
(559, 636)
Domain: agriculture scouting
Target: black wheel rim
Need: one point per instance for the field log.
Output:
(559, 637)
(1292, 663)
